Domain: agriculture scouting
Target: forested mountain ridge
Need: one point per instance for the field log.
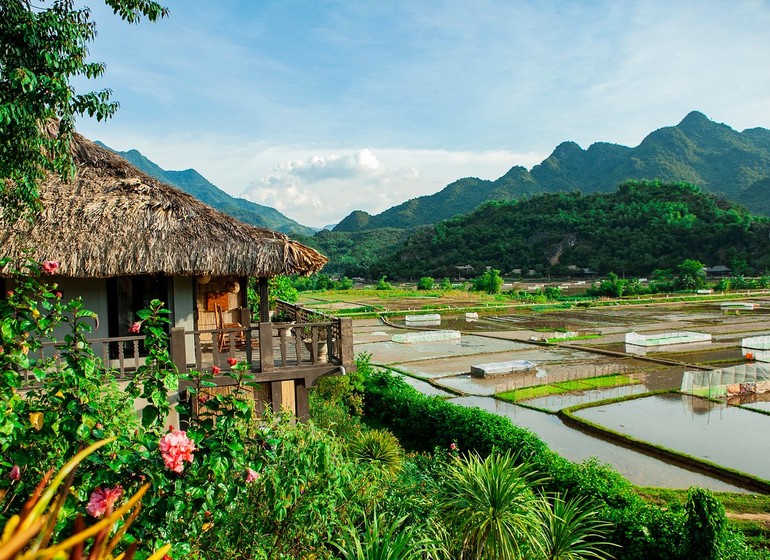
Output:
(697, 150)
(201, 188)
(641, 227)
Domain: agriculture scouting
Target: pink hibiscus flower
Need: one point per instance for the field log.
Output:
(102, 500)
(176, 448)
(232, 361)
(15, 473)
(135, 328)
(215, 370)
(50, 266)
(251, 475)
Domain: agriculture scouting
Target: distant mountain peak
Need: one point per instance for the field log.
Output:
(697, 150)
(567, 149)
(694, 118)
(195, 184)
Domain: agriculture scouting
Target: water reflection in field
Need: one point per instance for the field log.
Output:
(725, 435)
(574, 445)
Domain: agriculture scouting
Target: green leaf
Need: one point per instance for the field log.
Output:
(149, 415)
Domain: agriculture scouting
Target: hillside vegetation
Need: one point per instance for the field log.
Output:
(641, 227)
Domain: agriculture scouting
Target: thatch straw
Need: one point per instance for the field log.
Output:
(114, 220)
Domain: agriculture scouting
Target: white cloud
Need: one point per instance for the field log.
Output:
(323, 189)
(360, 164)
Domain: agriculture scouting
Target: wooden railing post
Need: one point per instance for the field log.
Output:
(178, 350)
(266, 361)
(245, 320)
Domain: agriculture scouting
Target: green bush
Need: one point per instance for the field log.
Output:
(426, 283)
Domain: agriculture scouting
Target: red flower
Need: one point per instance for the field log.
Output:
(50, 266)
(215, 370)
(452, 446)
(203, 398)
(251, 475)
(58, 295)
(176, 448)
(102, 500)
(135, 328)
(15, 473)
(232, 361)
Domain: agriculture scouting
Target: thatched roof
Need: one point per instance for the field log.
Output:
(114, 220)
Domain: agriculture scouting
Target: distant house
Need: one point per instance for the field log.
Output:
(123, 238)
(718, 271)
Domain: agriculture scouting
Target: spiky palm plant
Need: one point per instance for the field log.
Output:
(394, 539)
(489, 504)
(572, 530)
(381, 449)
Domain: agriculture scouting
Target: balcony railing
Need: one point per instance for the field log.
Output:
(272, 349)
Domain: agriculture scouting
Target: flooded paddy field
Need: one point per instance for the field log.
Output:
(722, 434)
(502, 338)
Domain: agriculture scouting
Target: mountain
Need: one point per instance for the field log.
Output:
(198, 186)
(697, 150)
(642, 226)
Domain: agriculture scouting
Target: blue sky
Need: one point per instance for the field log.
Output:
(318, 108)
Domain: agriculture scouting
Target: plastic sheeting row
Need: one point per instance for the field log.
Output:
(727, 382)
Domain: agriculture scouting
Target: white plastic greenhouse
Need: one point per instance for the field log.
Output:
(745, 379)
(756, 348)
(663, 339)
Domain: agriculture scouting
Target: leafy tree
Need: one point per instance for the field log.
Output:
(489, 282)
(552, 292)
(425, 283)
(345, 283)
(383, 284)
(42, 50)
(691, 275)
(445, 284)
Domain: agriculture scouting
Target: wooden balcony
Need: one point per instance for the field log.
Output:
(286, 358)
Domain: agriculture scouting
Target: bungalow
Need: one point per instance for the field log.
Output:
(122, 238)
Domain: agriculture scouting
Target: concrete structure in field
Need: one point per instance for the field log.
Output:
(666, 338)
(425, 336)
(428, 320)
(496, 369)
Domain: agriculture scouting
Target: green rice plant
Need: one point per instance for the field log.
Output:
(537, 391)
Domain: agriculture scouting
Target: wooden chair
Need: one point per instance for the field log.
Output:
(224, 337)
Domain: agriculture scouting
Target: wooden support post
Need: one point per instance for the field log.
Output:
(266, 361)
(178, 350)
(303, 408)
(245, 320)
(264, 300)
(276, 394)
